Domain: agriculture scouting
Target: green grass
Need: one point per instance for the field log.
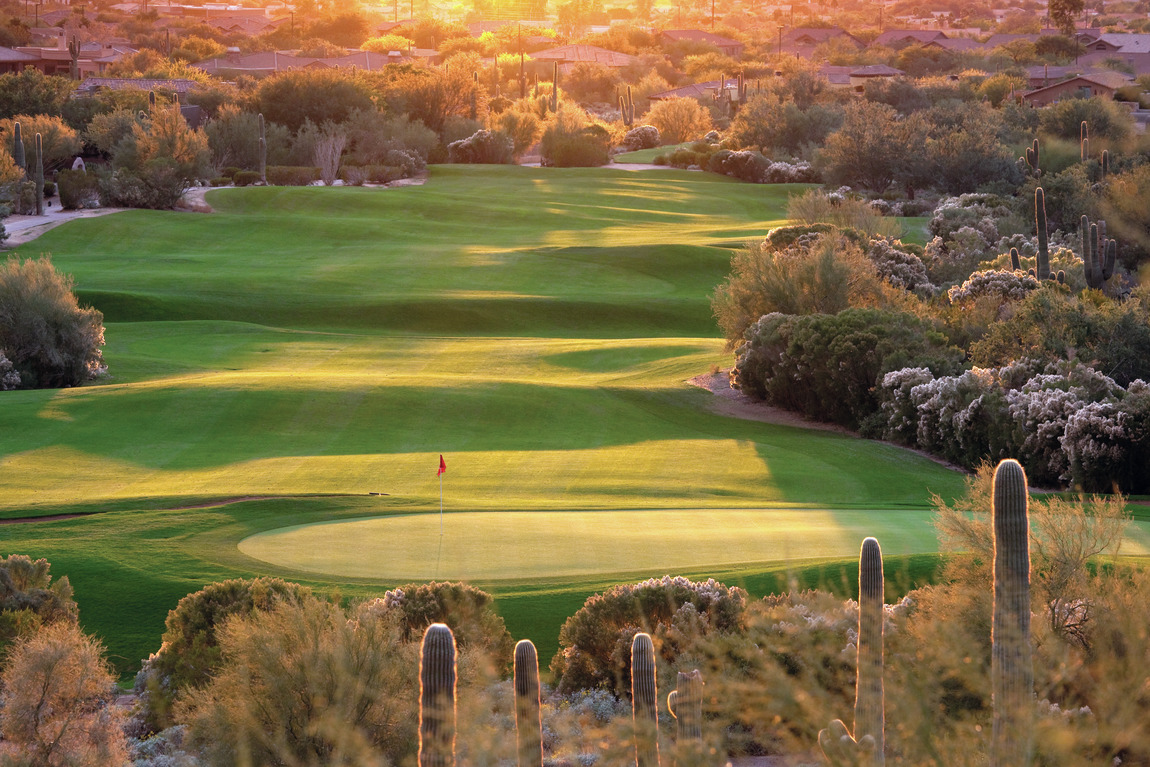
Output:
(315, 346)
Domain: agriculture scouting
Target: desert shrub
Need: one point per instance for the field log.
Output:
(466, 609)
(78, 189)
(572, 140)
(220, 181)
(50, 340)
(898, 265)
(305, 683)
(522, 125)
(60, 143)
(840, 209)
(233, 137)
(29, 598)
(595, 642)
(1004, 284)
(353, 175)
(745, 166)
(49, 189)
(1052, 324)
(641, 137)
(291, 175)
(482, 147)
(56, 692)
(827, 366)
(189, 651)
(9, 377)
(246, 177)
(1106, 119)
(679, 120)
(1066, 423)
(809, 274)
(159, 186)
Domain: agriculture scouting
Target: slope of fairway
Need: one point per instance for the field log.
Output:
(320, 348)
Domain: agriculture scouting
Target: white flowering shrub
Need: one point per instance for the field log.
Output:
(9, 377)
(801, 172)
(641, 137)
(1007, 285)
(1065, 422)
(981, 211)
(899, 266)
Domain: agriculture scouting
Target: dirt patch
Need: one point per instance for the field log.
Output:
(733, 403)
(24, 229)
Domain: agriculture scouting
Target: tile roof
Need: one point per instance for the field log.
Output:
(578, 54)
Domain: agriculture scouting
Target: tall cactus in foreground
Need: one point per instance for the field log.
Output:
(18, 146)
(644, 701)
(38, 176)
(437, 697)
(1012, 668)
(869, 693)
(1091, 266)
(1015, 261)
(1042, 265)
(528, 725)
(263, 151)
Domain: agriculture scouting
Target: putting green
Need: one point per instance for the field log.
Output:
(515, 545)
(485, 546)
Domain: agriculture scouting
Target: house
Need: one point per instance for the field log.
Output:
(860, 76)
(269, 62)
(1139, 62)
(13, 61)
(56, 59)
(1099, 84)
(955, 44)
(704, 90)
(802, 41)
(567, 56)
(903, 38)
(1120, 43)
(726, 45)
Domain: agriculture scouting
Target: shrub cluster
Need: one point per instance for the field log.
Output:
(827, 366)
(49, 340)
(159, 186)
(291, 175)
(595, 642)
(482, 147)
(1064, 422)
(641, 137)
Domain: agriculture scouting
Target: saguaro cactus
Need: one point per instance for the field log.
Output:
(437, 697)
(528, 727)
(686, 704)
(627, 108)
(644, 701)
(263, 151)
(1105, 163)
(18, 146)
(1091, 255)
(1042, 265)
(1083, 141)
(74, 56)
(1015, 261)
(555, 89)
(869, 693)
(1032, 157)
(1012, 669)
(39, 175)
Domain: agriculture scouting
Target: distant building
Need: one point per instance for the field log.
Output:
(270, 62)
(1102, 84)
(903, 38)
(729, 47)
(13, 61)
(569, 55)
(180, 88)
(802, 41)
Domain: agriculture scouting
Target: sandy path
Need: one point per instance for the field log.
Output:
(24, 229)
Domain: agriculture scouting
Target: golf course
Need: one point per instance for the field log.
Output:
(285, 372)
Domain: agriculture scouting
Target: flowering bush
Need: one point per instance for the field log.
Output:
(1010, 286)
(641, 137)
(898, 266)
(1066, 422)
(482, 147)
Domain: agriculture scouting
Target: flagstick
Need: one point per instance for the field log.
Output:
(441, 504)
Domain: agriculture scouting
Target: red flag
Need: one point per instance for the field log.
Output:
(442, 466)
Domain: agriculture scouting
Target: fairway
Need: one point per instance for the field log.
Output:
(302, 356)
